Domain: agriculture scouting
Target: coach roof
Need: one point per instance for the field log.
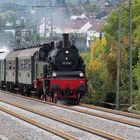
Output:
(26, 53)
(3, 55)
(13, 55)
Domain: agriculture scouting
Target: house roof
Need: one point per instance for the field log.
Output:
(87, 24)
(90, 15)
(79, 23)
(96, 25)
(86, 27)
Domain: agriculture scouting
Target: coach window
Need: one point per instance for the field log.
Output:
(29, 64)
(10, 65)
(14, 65)
(23, 63)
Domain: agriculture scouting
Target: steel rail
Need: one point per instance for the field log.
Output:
(68, 122)
(126, 114)
(82, 111)
(44, 127)
(88, 112)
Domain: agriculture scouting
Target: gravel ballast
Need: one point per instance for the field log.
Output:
(53, 124)
(108, 114)
(15, 129)
(123, 130)
(3, 137)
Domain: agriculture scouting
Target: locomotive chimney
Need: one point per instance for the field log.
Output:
(66, 40)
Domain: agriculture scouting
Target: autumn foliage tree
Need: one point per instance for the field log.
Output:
(111, 32)
(102, 61)
(100, 78)
(101, 70)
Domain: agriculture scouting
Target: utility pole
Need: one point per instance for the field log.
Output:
(125, 6)
(14, 24)
(87, 1)
(45, 20)
(118, 63)
(130, 52)
(51, 18)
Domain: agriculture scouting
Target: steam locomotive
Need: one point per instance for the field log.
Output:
(50, 71)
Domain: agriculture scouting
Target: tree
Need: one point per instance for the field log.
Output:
(111, 31)
(100, 80)
(136, 72)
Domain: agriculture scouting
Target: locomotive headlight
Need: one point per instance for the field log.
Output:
(54, 74)
(67, 52)
(81, 74)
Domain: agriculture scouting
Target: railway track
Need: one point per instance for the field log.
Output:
(123, 121)
(44, 127)
(59, 119)
(135, 116)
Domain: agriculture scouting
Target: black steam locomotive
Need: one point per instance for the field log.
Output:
(50, 71)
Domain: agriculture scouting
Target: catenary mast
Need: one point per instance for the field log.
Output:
(125, 6)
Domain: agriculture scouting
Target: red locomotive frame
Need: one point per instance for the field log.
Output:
(59, 86)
